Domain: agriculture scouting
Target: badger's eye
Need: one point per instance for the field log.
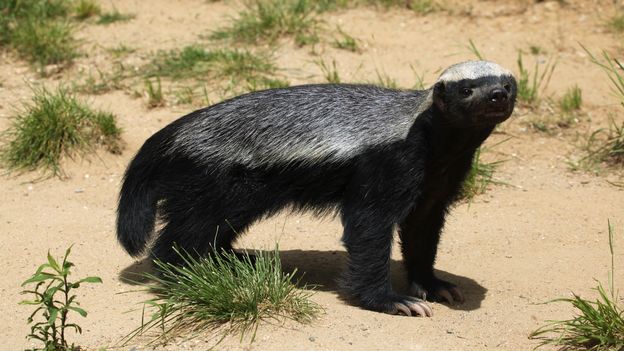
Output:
(466, 92)
(507, 87)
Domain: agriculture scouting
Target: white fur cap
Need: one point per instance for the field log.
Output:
(473, 70)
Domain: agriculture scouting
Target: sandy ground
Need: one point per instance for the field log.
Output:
(540, 237)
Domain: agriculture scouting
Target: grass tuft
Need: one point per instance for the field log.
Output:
(530, 86)
(603, 146)
(56, 125)
(606, 145)
(329, 72)
(480, 176)
(346, 42)
(572, 100)
(155, 97)
(616, 23)
(264, 21)
(613, 68)
(598, 325)
(45, 42)
(84, 9)
(223, 291)
(241, 70)
(39, 31)
(114, 16)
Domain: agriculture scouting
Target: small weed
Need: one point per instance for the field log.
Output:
(419, 84)
(613, 68)
(480, 176)
(54, 298)
(384, 80)
(329, 72)
(530, 86)
(473, 49)
(103, 82)
(269, 20)
(54, 125)
(422, 7)
(223, 291)
(572, 100)
(603, 146)
(155, 97)
(114, 16)
(84, 9)
(536, 50)
(616, 23)
(120, 50)
(346, 42)
(185, 96)
(598, 325)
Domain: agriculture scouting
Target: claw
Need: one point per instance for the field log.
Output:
(421, 308)
(446, 295)
(457, 294)
(402, 308)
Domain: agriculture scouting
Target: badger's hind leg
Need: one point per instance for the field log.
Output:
(206, 216)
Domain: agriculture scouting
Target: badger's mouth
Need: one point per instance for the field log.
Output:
(497, 113)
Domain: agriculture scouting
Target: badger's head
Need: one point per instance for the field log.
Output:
(475, 93)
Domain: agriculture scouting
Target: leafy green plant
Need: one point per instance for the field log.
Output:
(598, 325)
(225, 290)
(54, 298)
(56, 125)
(114, 16)
(268, 20)
(530, 86)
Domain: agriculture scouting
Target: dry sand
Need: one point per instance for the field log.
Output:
(540, 237)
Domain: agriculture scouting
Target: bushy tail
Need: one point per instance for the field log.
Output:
(136, 213)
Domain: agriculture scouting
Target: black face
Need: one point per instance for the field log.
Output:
(476, 102)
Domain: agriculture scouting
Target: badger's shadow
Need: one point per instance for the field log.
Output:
(322, 269)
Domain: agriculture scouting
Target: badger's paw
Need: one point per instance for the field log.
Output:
(399, 304)
(437, 290)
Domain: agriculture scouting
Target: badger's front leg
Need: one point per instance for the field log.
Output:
(420, 235)
(378, 196)
(367, 279)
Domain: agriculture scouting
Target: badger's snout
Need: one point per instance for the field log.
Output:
(498, 96)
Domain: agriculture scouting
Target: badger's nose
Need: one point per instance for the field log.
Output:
(498, 95)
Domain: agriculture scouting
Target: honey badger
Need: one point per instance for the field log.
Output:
(382, 159)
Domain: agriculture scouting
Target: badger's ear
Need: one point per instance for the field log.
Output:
(439, 91)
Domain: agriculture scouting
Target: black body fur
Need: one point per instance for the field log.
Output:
(406, 181)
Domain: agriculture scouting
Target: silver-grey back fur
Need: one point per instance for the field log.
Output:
(311, 123)
(308, 124)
